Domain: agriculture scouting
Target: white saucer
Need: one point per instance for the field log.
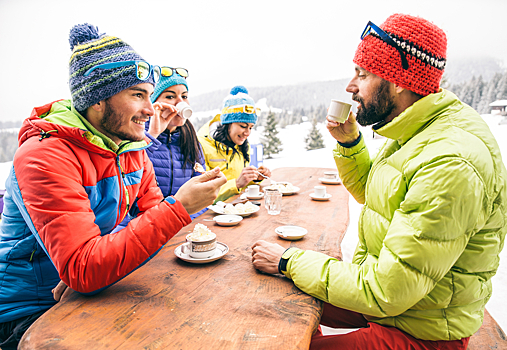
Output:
(220, 251)
(330, 181)
(326, 198)
(260, 196)
(227, 220)
(291, 233)
(246, 196)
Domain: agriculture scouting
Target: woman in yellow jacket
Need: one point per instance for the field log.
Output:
(224, 142)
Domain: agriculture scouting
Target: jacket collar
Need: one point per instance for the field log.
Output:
(417, 117)
(63, 117)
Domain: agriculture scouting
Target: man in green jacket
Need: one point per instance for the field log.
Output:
(434, 216)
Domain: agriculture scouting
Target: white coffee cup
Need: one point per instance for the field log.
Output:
(331, 175)
(199, 249)
(339, 111)
(253, 191)
(184, 110)
(319, 191)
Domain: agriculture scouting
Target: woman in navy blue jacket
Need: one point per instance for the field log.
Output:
(175, 149)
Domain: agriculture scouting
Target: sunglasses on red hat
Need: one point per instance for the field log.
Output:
(372, 29)
(143, 69)
(169, 71)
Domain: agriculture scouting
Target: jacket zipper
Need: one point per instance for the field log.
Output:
(172, 165)
(123, 188)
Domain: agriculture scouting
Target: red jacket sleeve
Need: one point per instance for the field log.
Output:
(51, 184)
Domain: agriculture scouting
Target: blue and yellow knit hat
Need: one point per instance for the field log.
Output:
(89, 48)
(238, 107)
(165, 82)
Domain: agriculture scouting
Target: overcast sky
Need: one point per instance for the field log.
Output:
(221, 43)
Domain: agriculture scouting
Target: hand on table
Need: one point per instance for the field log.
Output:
(266, 256)
(201, 191)
(164, 113)
(60, 291)
(347, 132)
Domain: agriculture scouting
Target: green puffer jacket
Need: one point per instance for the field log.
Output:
(431, 229)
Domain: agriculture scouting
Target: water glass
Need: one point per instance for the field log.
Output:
(273, 201)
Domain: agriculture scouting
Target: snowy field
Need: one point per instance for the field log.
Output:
(295, 154)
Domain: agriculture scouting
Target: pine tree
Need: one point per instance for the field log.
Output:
(489, 94)
(477, 92)
(314, 140)
(270, 141)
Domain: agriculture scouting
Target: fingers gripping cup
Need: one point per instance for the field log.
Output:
(201, 243)
(339, 111)
(184, 110)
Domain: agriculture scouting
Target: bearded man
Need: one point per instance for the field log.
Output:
(435, 213)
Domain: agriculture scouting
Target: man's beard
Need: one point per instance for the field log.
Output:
(112, 123)
(381, 106)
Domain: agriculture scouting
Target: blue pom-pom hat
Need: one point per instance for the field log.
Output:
(90, 48)
(238, 107)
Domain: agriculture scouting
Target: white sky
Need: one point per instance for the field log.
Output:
(222, 43)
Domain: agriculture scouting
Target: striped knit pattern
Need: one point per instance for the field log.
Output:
(237, 98)
(101, 83)
(424, 40)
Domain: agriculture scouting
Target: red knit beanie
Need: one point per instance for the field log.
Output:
(423, 44)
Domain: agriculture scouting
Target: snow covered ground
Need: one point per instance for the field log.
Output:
(295, 154)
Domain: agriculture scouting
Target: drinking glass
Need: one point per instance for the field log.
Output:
(273, 201)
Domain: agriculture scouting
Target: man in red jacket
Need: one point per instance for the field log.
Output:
(80, 168)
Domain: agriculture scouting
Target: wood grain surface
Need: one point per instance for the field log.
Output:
(226, 304)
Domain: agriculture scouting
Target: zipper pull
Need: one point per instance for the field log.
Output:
(31, 256)
(45, 135)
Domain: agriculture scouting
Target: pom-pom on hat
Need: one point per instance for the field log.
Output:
(238, 107)
(90, 48)
(166, 82)
(423, 44)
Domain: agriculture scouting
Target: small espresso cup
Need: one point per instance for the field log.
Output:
(184, 110)
(339, 111)
(330, 175)
(199, 249)
(253, 191)
(319, 191)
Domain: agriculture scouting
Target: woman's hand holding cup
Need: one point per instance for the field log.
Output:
(164, 113)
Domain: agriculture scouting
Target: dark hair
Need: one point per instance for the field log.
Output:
(189, 144)
(223, 140)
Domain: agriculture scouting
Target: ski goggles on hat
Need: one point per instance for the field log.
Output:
(168, 71)
(143, 69)
(372, 29)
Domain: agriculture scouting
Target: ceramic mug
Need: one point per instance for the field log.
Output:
(319, 191)
(199, 249)
(330, 175)
(184, 110)
(253, 191)
(339, 111)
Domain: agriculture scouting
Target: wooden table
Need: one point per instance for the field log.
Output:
(225, 304)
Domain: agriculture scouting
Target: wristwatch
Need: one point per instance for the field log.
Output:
(282, 264)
